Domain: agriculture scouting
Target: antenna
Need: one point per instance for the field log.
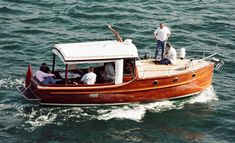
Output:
(118, 37)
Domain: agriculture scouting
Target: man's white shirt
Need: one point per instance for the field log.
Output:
(89, 78)
(161, 34)
(171, 55)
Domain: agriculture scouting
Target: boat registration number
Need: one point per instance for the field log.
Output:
(94, 95)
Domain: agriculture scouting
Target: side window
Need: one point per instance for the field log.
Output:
(128, 67)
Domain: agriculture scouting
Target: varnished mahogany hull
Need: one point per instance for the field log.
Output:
(138, 90)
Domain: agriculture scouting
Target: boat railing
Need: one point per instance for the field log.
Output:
(218, 62)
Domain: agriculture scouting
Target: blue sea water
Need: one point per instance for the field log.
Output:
(29, 29)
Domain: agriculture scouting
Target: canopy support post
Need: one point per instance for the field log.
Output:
(119, 71)
(53, 63)
(66, 73)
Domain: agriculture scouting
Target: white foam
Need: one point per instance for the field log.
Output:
(126, 112)
(206, 96)
(134, 112)
(37, 117)
(75, 112)
(41, 120)
(160, 106)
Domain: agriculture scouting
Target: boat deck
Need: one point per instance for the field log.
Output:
(147, 68)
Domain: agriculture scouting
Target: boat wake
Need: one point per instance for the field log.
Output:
(136, 112)
(37, 116)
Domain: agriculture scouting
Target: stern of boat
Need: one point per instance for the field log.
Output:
(27, 90)
(27, 93)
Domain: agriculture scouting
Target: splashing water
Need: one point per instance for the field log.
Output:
(206, 96)
(127, 112)
(136, 112)
(37, 118)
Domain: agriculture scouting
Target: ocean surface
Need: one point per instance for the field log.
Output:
(30, 28)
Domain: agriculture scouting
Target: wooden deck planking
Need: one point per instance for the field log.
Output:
(148, 68)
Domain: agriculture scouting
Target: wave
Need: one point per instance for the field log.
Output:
(7, 10)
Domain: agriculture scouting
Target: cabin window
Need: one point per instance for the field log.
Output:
(107, 72)
(128, 68)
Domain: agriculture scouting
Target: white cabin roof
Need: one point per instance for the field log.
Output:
(98, 50)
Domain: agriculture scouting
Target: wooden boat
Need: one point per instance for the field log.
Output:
(135, 80)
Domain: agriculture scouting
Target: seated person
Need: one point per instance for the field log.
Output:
(90, 77)
(109, 72)
(170, 55)
(43, 77)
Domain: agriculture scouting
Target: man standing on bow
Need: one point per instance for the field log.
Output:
(162, 33)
